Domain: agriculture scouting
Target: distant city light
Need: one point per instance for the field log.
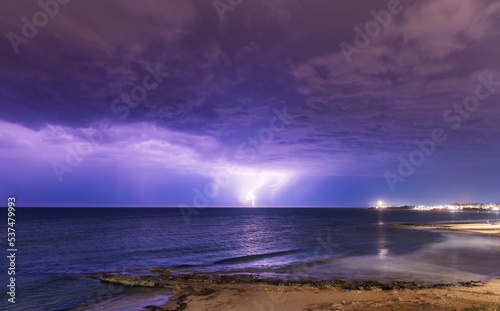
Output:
(495, 207)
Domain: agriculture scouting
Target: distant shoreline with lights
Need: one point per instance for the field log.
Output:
(481, 207)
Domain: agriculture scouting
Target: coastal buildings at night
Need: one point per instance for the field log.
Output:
(492, 207)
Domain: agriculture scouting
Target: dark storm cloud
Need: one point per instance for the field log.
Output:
(226, 77)
(399, 86)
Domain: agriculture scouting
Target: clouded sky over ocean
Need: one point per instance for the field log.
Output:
(234, 103)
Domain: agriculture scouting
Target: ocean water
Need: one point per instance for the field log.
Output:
(62, 251)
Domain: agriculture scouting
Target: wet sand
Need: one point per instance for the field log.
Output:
(250, 297)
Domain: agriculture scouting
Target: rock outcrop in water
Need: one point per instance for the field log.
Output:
(198, 282)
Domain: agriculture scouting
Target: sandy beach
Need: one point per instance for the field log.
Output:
(248, 297)
(492, 228)
(487, 228)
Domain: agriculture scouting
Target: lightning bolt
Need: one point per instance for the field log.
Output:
(251, 195)
(277, 183)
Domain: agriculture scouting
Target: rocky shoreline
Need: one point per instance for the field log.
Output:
(197, 282)
(187, 285)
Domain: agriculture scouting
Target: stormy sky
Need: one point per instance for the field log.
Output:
(249, 102)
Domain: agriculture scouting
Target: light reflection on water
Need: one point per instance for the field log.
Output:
(382, 240)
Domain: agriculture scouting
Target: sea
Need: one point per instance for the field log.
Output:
(61, 252)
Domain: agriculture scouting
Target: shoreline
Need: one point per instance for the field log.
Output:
(195, 291)
(198, 291)
(490, 228)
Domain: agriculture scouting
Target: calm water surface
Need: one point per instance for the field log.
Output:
(60, 249)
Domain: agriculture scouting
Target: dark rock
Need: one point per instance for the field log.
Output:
(164, 271)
